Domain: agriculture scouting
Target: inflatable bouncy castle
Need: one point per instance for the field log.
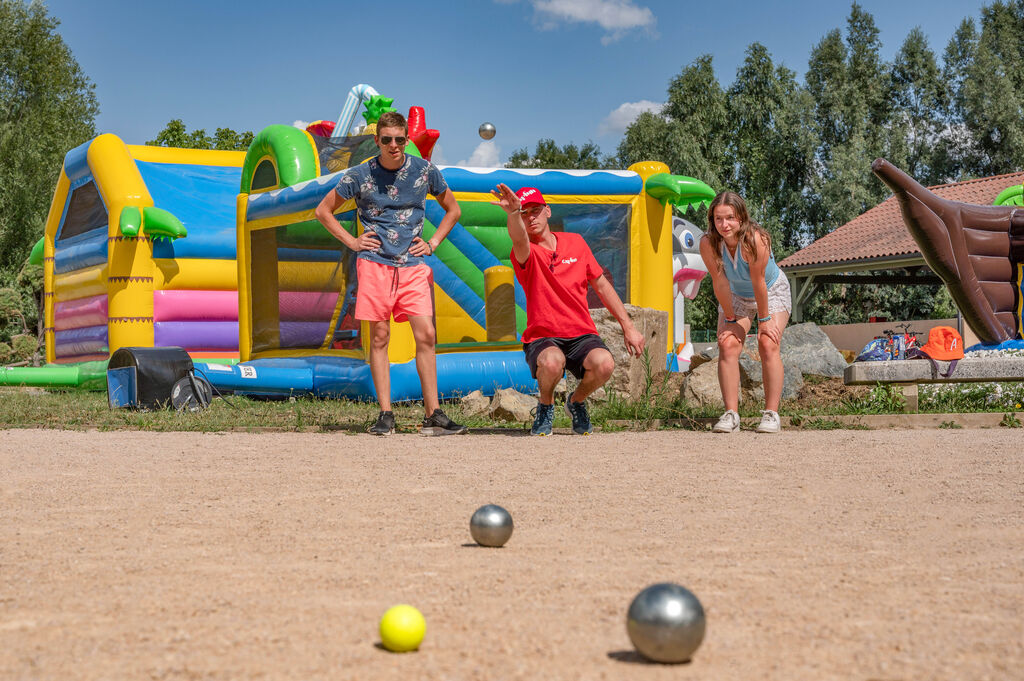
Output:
(220, 253)
(139, 250)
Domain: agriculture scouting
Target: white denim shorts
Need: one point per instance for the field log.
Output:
(779, 299)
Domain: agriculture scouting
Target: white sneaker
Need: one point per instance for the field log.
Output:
(769, 422)
(728, 423)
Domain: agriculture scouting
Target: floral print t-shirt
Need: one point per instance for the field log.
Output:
(390, 204)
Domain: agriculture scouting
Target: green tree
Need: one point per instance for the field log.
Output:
(771, 145)
(47, 107)
(849, 83)
(687, 134)
(957, 151)
(920, 97)
(548, 154)
(991, 101)
(176, 134)
(227, 139)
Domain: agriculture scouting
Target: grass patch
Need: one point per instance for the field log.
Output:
(950, 425)
(1010, 421)
(660, 402)
(83, 409)
(828, 424)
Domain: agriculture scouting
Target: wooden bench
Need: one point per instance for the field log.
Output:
(908, 374)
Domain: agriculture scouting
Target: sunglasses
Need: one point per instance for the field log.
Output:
(400, 141)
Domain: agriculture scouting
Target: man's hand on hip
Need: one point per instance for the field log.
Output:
(367, 241)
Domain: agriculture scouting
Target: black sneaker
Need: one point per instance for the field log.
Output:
(385, 424)
(439, 424)
(579, 415)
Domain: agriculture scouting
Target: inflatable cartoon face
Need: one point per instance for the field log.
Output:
(686, 236)
(687, 266)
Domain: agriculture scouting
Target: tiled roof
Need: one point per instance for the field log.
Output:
(880, 232)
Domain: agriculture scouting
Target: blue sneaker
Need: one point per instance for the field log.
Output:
(543, 417)
(580, 416)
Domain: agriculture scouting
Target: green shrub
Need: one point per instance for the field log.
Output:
(1010, 421)
(884, 398)
(23, 346)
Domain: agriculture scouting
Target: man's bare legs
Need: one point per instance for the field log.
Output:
(598, 367)
(380, 364)
(550, 369)
(426, 360)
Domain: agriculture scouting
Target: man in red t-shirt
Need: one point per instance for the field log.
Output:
(554, 270)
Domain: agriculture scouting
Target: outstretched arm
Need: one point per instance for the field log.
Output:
(606, 292)
(510, 203)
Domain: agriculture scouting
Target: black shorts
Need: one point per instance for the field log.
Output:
(575, 351)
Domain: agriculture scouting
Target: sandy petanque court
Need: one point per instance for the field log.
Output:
(880, 555)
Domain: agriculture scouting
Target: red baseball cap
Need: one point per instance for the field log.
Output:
(530, 195)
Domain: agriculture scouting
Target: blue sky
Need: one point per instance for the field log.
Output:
(571, 70)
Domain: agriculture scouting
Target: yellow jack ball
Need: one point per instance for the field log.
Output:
(402, 628)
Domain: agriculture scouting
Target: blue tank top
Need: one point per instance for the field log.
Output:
(737, 271)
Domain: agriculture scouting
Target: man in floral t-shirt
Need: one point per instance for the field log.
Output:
(390, 191)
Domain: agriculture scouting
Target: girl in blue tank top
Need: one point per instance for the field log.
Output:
(747, 284)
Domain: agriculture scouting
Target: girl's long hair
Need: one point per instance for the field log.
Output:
(749, 230)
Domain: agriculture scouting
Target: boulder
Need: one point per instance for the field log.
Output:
(750, 371)
(475, 403)
(793, 381)
(701, 386)
(810, 350)
(630, 375)
(671, 386)
(512, 406)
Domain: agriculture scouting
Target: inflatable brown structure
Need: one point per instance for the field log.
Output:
(978, 251)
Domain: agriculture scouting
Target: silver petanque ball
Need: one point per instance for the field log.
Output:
(487, 131)
(490, 526)
(666, 623)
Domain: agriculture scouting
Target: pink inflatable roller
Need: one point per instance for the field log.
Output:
(74, 314)
(195, 306)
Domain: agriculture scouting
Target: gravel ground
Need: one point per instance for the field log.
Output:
(878, 555)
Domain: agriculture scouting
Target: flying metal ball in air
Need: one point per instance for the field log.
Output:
(487, 131)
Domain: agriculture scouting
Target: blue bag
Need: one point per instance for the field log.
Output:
(874, 351)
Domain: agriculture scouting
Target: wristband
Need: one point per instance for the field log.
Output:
(765, 319)
(431, 248)
(729, 321)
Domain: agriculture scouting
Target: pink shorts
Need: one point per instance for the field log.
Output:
(400, 291)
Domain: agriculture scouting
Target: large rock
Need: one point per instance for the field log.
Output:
(630, 375)
(793, 381)
(701, 387)
(512, 406)
(810, 350)
(475, 403)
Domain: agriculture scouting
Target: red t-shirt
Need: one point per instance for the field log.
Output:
(555, 283)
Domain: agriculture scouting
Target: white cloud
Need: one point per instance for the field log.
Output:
(484, 156)
(617, 121)
(301, 125)
(615, 16)
(437, 155)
